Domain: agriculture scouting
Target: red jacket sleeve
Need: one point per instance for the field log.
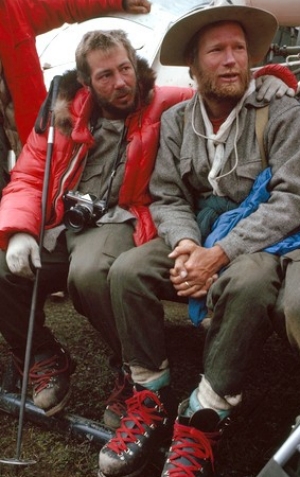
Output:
(281, 72)
(44, 15)
(20, 22)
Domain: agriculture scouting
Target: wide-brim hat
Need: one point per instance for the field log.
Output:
(260, 27)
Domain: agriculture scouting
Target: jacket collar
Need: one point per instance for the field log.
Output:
(74, 105)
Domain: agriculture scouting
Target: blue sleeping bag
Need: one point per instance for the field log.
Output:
(228, 220)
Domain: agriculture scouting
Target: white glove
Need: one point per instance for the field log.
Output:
(268, 86)
(23, 253)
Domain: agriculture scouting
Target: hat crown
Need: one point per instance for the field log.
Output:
(259, 26)
(220, 3)
(225, 3)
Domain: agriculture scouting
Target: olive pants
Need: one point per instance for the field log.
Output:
(244, 301)
(83, 260)
(16, 300)
(119, 287)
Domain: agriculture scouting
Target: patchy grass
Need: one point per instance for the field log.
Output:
(260, 425)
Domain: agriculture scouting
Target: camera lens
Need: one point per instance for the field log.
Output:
(77, 218)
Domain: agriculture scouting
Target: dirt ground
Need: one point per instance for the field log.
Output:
(259, 426)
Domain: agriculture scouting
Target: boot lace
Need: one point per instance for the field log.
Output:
(139, 415)
(190, 447)
(122, 391)
(41, 373)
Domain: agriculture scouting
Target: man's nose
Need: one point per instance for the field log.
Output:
(229, 56)
(119, 80)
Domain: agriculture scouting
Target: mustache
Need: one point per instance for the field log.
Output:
(231, 73)
(122, 92)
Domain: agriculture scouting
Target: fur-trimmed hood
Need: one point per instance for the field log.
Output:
(69, 87)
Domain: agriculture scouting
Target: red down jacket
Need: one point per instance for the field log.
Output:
(21, 202)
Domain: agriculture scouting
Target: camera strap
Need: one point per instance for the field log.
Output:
(115, 166)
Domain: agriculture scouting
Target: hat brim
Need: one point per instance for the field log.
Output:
(259, 25)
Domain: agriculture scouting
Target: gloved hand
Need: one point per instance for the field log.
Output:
(137, 6)
(22, 253)
(268, 86)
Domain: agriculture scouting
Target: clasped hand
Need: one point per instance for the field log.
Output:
(22, 255)
(195, 268)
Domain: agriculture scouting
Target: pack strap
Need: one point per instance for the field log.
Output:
(262, 115)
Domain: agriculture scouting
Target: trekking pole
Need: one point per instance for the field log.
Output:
(274, 466)
(49, 107)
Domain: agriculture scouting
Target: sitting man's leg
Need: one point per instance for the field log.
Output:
(242, 301)
(138, 280)
(240, 326)
(51, 365)
(92, 254)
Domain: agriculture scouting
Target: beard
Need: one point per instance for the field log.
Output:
(116, 112)
(209, 89)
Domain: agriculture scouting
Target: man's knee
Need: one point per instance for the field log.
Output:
(127, 268)
(247, 276)
(291, 312)
(148, 262)
(85, 278)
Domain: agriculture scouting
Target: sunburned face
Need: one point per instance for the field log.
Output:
(222, 65)
(113, 81)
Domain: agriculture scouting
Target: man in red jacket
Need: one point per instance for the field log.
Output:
(106, 126)
(22, 88)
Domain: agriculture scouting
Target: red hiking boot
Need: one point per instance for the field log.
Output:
(145, 427)
(193, 442)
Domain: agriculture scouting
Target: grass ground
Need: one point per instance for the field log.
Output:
(260, 425)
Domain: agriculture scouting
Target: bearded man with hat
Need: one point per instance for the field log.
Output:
(208, 148)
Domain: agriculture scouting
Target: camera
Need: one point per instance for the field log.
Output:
(82, 210)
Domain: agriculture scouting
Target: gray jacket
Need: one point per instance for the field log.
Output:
(182, 168)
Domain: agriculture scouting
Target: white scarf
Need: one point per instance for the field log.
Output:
(216, 142)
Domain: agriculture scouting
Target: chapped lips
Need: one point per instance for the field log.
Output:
(122, 94)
